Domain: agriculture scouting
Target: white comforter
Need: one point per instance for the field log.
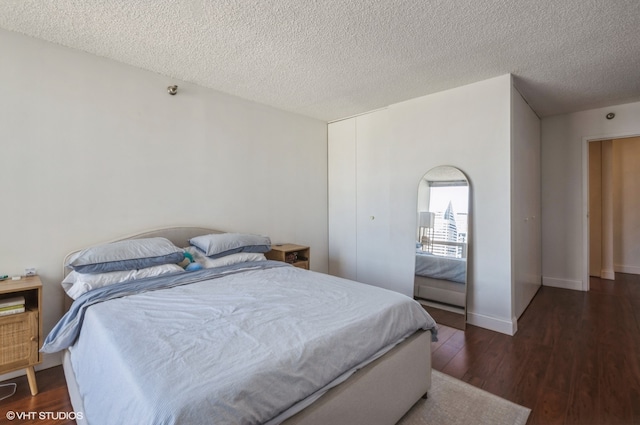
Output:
(239, 349)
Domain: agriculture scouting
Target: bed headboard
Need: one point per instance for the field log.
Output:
(178, 235)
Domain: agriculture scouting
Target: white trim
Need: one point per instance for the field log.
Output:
(497, 324)
(584, 286)
(554, 282)
(621, 268)
(357, 115)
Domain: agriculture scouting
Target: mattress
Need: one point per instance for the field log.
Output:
(440, 267)
(251, 344)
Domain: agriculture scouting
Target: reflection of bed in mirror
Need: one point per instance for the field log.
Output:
(439, 267)
(440, 279)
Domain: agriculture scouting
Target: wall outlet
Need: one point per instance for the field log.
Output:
(30, 271)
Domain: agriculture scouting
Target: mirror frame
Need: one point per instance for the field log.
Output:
(441, 295)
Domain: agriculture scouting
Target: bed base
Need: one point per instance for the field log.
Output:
(442, 291)
(378, 394)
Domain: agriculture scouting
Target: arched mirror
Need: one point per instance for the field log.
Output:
(442, 238)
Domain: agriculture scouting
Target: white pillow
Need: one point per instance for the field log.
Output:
(76, 284)
(227, 260)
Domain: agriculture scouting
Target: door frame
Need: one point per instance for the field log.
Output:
(585, 197)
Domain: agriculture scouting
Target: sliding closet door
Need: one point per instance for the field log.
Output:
(372, 200)
(359, 231)
(526, 242)
(342, 198)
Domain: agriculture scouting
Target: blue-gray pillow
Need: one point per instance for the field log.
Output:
(129, 254)
(221, 244)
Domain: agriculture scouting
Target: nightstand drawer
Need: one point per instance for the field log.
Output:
(20, 341)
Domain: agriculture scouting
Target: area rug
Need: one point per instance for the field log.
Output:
(453, 402)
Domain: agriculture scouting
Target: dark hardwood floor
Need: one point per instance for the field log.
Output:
(52, 397)
(574, 360)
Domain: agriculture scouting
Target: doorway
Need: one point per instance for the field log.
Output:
(613, 182)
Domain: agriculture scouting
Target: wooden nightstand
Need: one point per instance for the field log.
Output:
(296, 255)
(20, 333)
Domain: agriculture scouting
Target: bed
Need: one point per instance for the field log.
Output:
(251, 342)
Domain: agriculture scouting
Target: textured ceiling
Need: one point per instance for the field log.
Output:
(331, 59)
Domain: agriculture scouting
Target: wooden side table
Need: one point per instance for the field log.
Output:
(297, 255)
(20, 333)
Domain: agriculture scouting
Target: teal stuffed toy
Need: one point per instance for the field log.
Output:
(189, 264)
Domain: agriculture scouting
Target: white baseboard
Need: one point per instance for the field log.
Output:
(621, 268)
(505, 326)
(576, 285)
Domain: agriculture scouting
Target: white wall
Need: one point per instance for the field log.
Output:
(467, 127)
(92, 149)
(564, 197)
